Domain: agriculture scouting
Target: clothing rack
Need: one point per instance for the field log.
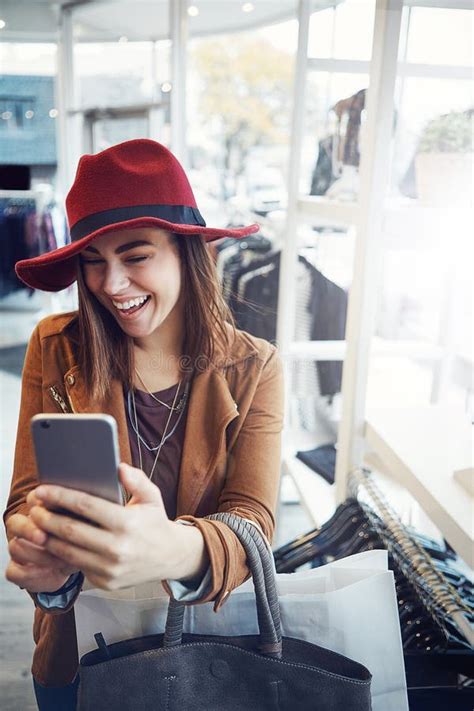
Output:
(43, 197)
(413, 560)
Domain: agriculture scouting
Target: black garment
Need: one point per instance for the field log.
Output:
(321, 460)
(255, 245)
(329, 310)
(56, 698)
(441, 699)
(323, 176)
(327, 306)
(13, 247)
(431, 669)
(257, 313)
(23, 234)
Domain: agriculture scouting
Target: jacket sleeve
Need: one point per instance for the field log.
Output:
(24, 477)
(62, 597)
(252, 484)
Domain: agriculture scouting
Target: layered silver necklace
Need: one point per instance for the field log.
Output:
(166, 435)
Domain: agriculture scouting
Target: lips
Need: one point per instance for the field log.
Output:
(123, 302)
(133, 312)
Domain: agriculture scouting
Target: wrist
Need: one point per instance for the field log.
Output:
(190, 558)
(70, 583)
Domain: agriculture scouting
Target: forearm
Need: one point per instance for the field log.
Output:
(190, 559)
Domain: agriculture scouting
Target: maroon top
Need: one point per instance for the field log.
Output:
(152, 418)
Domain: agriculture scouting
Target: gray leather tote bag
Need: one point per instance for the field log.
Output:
(266, 672)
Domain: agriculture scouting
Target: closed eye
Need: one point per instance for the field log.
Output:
(98, 261)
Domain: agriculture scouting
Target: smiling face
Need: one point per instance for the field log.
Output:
(136, 276)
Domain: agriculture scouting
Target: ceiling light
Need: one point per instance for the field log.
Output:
(166, 87)
(2, 24)
(29, 114)
(193, 11)
(53, 113)
(247, 7)
(6, 115)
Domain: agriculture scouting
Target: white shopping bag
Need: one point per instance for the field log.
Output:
(348, 606)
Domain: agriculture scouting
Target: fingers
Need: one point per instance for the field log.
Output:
(108, 515)
(32, 499)
(19, 574)
(24, 552)
(80, 545)
(75, 532)
(24, 527)
(32, 577)
(80, 559)
(137, 483)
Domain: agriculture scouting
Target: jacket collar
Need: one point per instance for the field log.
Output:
(211, 407)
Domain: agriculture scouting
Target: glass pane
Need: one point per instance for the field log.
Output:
(440, 36)
(122, 70)
(120, 73)
(28, 159)
(239, 93)
(31, 59)
(354, 28)
(334, 119)
(108, 132)
(28, 113)
(425, 292)
(321, 34)
(434, 119)
(343, 32)
(122, 66)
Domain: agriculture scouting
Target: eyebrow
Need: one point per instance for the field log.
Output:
(123, 247)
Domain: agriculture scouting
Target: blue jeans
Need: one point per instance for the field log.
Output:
(61, 698)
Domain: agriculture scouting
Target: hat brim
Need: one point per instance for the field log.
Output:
(56, 270)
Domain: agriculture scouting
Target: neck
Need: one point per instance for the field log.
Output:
(161, 350)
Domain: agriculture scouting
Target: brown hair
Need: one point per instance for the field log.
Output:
(106, 352)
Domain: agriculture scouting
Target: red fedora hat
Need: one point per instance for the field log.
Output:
(137, 183)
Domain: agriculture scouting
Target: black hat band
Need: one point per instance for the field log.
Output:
(178, 214)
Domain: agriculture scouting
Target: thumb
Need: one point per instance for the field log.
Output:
(136, 483)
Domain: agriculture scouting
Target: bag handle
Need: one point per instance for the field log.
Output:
(269, 572)
(263, 571)
(261, 565)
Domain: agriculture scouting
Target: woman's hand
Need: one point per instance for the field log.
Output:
(31, 566)
(134, 543)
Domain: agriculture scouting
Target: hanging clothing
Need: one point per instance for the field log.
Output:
(24, 234)
(232, 258)
(340, 148)
(329, 312)
(258, 299)
(438, 658)
(323, 175)
(349, 113)
(321, 460)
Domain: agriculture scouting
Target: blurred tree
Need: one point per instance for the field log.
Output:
(246, 83)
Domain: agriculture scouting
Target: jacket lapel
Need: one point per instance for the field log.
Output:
(211, 408)
(74, 385)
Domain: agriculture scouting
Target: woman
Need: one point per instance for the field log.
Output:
(198, 406)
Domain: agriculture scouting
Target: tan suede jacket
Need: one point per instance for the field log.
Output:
(230, 460)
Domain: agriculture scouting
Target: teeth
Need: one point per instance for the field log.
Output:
(128, 304)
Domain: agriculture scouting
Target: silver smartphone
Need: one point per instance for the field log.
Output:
(79, 452)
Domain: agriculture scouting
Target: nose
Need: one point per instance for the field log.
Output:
(114, 280)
